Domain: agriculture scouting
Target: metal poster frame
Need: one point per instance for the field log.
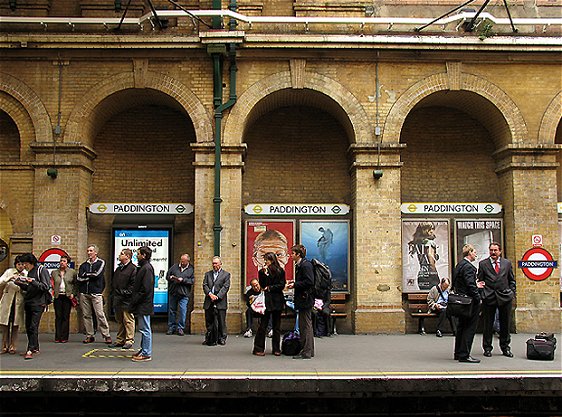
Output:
(478, 232)
(253, 229)
(329, 242)
(426, 244)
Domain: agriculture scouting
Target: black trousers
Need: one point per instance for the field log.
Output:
(488, 315)
(33, 315)
(306, 332)
(63, 306)
(259, 341)
(466, 329)
(212, 314)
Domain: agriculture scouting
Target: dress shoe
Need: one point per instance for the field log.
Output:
(488, 353)
(277, 353)
(89, 339)
(507, 352)
(469, 359)
(438, 333)
(127, 345)
(222, 342)
(259, 353)
(116, 345)
(107, 340)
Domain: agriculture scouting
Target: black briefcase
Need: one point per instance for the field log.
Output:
(542, 347)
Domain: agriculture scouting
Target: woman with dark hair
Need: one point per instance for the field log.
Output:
(64, 283)
(35, 288)
(272, 281)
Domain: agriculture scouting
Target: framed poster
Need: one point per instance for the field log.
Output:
(264, 236)
(328, 241)
(479, 233)
(159, 240)
(425, 253)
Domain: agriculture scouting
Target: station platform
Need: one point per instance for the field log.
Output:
(349, 375)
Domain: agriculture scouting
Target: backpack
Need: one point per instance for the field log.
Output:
(291, 344)
(322, 278)
(50, 291)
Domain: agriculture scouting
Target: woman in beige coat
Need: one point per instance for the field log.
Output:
(11, 306)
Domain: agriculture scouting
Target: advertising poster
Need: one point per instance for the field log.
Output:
(478, 233)
(328, 241)
(159, 241)
(262, 236)
(425, 253)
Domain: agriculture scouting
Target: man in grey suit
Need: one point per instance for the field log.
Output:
(215, 286)
(498, 293)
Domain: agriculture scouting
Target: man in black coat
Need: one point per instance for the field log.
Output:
(304, 299)
(180, 279)
(216, 284)
(122, 286)
(142, 303)
(464, 282)
(498, 293)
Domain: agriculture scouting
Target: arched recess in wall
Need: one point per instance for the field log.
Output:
(550, 131)
(345, 107)
(512, 129)
(5, 235)
(82, 127)
(34, 107)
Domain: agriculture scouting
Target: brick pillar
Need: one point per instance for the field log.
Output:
(60, 203)
(377, 286)
(231, 235)
(528, 183)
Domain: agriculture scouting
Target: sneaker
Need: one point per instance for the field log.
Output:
(127, 346)
(170, 331)
(248, 333)
(270, 333)
(107, 340)
(141, 358)
(28, 355)
(89, 339)
(116, 345)
(180, 332)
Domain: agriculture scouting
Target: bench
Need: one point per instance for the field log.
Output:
(337, 308)
(417, 305)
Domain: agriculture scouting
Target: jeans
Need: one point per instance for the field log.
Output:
(177, 309)
(146, 335)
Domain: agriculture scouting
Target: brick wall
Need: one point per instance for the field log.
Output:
(444, 146)
(296, 154)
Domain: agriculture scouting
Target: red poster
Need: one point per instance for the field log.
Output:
(277, 236)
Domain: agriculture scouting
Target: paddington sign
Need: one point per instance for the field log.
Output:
(262, 209)
(141, 208)
(451, 208)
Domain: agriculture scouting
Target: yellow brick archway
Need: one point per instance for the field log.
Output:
(362, 131)
(23, 121)
(26, 97)
(79, 125)
(440, 82)
(551, 120)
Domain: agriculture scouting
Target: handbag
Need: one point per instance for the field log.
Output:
(258, 303)
(542, 347)
(459, 305)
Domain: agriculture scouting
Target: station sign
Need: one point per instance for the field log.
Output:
(537, 264)
(50, 259)
(288, 209)
(141, 208)
(451, 208)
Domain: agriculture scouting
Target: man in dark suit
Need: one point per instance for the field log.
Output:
(464, 282)
(215, 286)
(498, 293)
(304, 299)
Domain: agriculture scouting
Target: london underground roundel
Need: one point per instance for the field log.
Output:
(537, 264)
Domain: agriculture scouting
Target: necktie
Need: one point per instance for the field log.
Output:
(497, 267)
